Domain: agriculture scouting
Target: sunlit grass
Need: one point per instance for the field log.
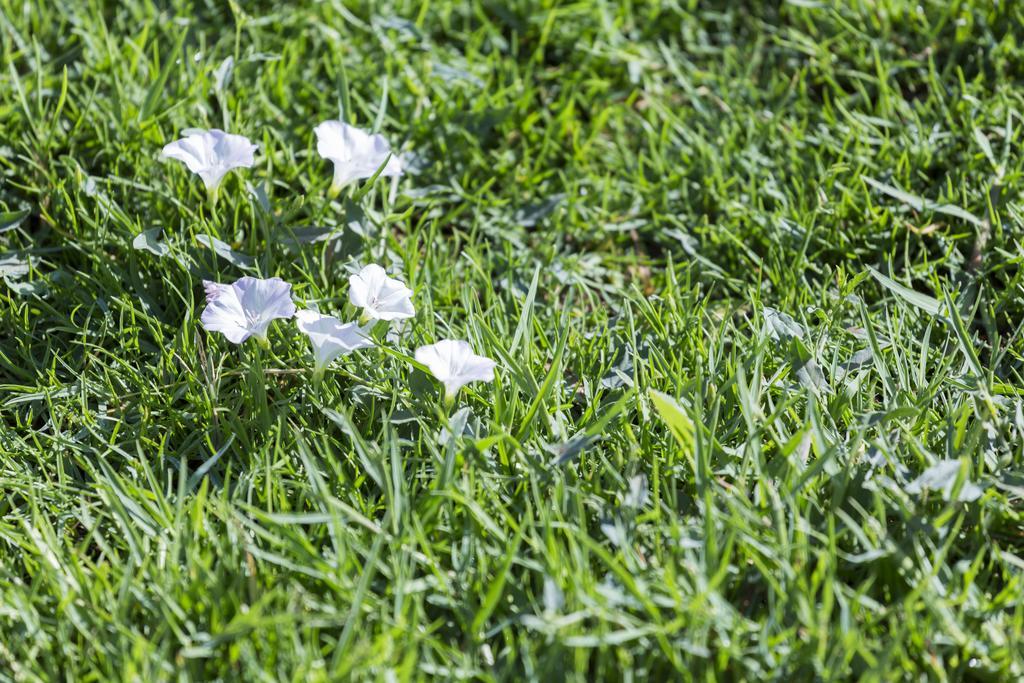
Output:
(750, 276)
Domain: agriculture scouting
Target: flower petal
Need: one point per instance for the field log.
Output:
(363, 286)
(329, 337)
(225, 314)
(454, 364)
(266, 299)
(211, 154)
(246, 307)
(478, 369)
(355, 153)
(380, 297)
(213, 289)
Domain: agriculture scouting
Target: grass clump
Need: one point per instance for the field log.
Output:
(750, 275)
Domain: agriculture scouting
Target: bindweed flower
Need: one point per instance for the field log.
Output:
(330, 338)
(381, 297)
(455, 364)
(246, 308)
(213, 289)
(356, 154)
(212, 154)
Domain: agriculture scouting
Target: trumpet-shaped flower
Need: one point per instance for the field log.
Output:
(356, 154)
(381, 297)
(213, 289)
(247, 307)
(330, 338)
(455, 365)
(212, 154)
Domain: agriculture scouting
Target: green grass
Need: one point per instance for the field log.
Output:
(749, 270)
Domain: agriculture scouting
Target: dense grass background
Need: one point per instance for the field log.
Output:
(612, 199)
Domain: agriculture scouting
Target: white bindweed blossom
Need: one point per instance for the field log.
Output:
(212, 154)
(455, 364)
(247, 307)
(381, 297)
(213, 289)
(330, 337)
(356, 154)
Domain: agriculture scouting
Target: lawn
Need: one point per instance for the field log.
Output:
(750, 273)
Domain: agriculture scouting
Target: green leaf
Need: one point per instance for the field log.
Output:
(235, 258)
(496, 587)
(12, 219)
(986, 149)
(222, 76)
(928, 304)
(147, 241)
(13, 266)
(806, 369)
(922, 204)
(156, 90)
(674, 416)
(949, 477)
(549, 381)
(781, 325)
(371, 465)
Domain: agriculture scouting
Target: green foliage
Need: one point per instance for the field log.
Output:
(750, 271)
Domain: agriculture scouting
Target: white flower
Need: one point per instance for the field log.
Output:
(212, 154)
(213, 289)
(247, 307)
(330, 338)
(356, 154)
(455, 364)
(381, 297)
